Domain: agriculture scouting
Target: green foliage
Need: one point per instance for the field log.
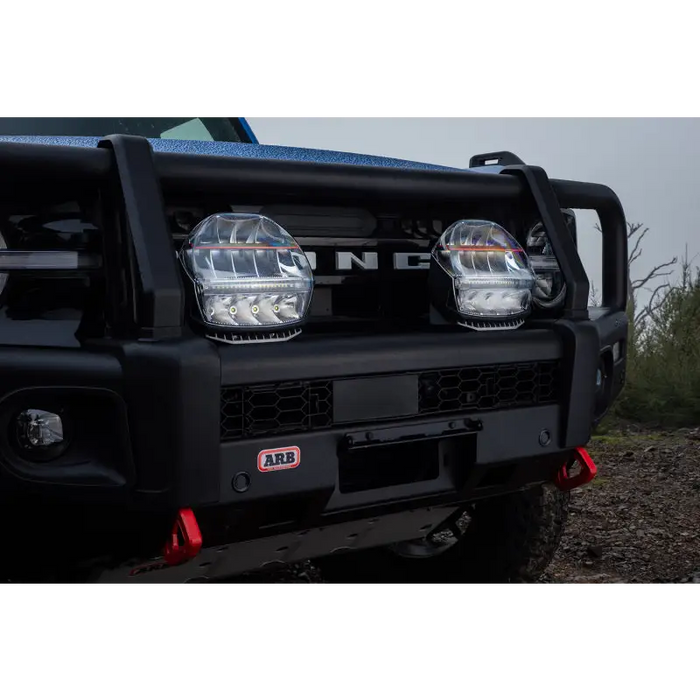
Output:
(663, 380)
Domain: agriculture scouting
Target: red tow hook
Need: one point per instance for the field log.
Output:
(588, 472)
(185, 540)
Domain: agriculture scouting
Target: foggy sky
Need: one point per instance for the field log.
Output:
(652, 164)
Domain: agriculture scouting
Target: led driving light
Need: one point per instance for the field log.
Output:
(550, 288)
(12, 261)
(480, 276)
(251, 279)
(58, 260)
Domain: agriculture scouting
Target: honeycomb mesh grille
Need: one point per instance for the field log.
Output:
(486, 388)
(273, 409)
(293, 407)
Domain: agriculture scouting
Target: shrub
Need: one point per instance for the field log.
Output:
(663, 384)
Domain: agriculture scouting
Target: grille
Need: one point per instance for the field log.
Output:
(484, 388)
(291, 407)
(273, 409)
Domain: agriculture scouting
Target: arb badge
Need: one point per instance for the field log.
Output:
(280, 458)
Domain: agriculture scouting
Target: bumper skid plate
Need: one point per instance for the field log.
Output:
(255, 555)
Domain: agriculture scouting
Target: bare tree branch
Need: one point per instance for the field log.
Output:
(632, 228)
(635, 235)
(637, 250)
(651, 308)
(658, 290)
(655, 272)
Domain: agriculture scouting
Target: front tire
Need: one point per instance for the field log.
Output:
(511, 538)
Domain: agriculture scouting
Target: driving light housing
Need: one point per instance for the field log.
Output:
(550, 289)
(480, 276)
(251, 279)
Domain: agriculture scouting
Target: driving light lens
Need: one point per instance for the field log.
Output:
(42, 260)
(481, 274)
(248, 273)
(550, 289)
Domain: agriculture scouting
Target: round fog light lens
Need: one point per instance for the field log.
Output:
(39, 431)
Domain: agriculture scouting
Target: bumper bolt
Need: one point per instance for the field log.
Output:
(545, 438)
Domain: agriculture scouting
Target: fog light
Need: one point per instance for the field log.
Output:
(40, 433)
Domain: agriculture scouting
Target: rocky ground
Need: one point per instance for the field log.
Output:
(637, 522)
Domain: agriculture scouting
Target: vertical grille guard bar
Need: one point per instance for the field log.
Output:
(160, 298)
(577, 284)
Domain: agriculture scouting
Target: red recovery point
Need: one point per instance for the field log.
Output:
(564, 482)
(185, 540)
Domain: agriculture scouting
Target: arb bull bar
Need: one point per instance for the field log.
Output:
(161, 386)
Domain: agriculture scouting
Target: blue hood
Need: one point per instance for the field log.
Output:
(246, 150)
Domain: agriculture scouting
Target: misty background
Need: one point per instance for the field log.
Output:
(652, 164)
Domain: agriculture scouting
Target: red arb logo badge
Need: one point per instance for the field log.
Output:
(280, 458)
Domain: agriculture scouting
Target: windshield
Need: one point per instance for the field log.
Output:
(185, 128)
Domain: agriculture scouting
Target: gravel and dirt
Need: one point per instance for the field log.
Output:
(637, 522)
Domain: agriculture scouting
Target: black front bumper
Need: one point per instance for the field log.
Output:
(185, 425)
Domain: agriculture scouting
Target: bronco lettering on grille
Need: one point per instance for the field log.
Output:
(346, 261)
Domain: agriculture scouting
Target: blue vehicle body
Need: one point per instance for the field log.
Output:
(249, 150)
